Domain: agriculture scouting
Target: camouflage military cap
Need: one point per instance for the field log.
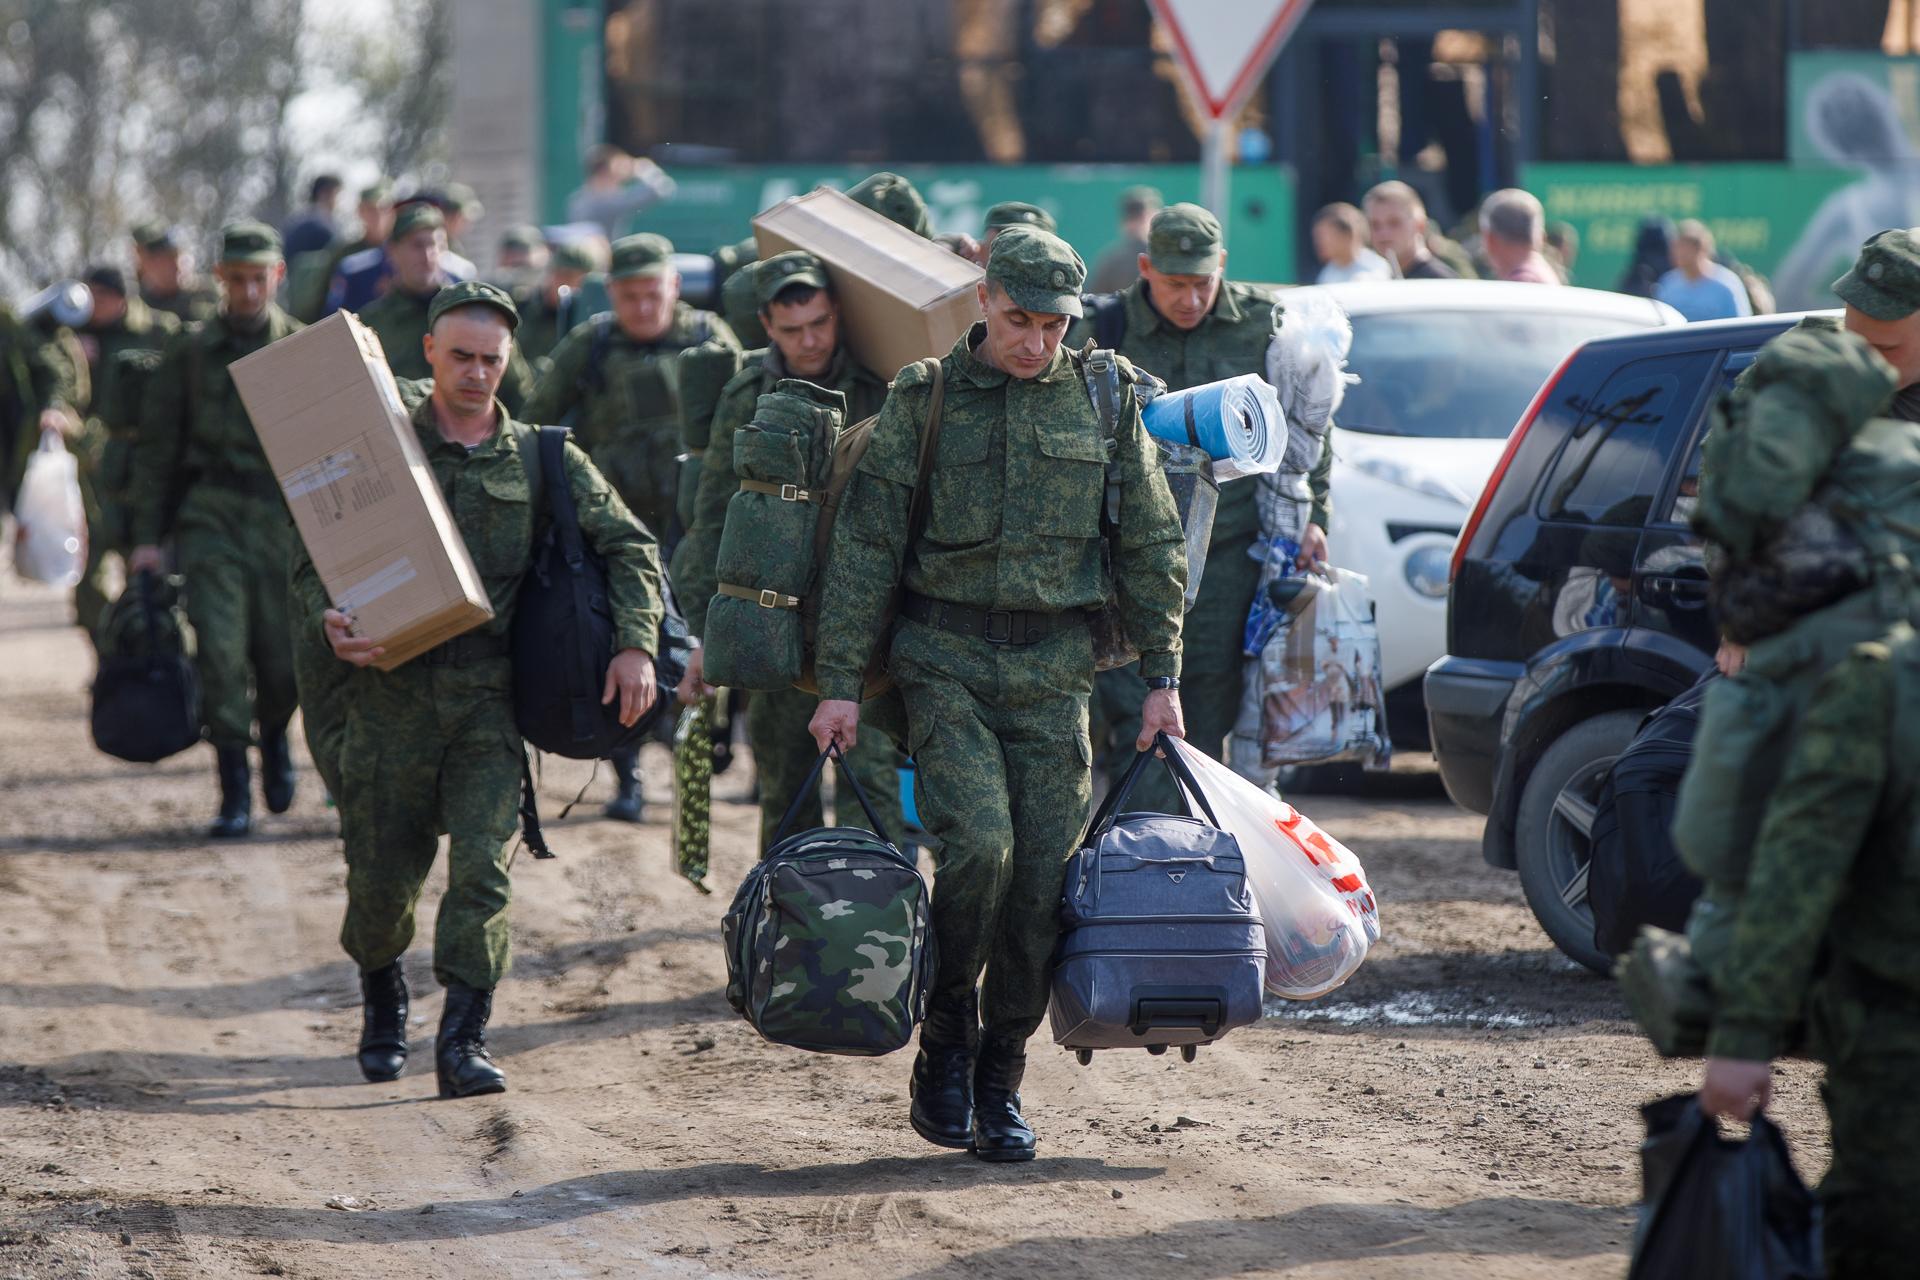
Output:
(643, 255)
(416, 215)
(772, 276)
(380, 191)
(1016, 213)
(894, 198)
(155, 235)
(464, 198)
(249, 241)
(473, 293)
(575, 255)
(1038, 270)
(1885, 279)
(1184, 240)
(522, 237)
(1138, 200)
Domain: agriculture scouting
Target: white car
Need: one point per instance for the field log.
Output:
(1446, 369)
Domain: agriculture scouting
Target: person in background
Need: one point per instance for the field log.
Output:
(368, 274)
(521, 258)
(312, 229)
(166, 276)
(550, 310)
(1512, 230)
(1340, 242)
(1563, 248)
(1652, 257)
(1698, 287)
(307, 291)
(1117, 266)
(617, 187)
(1397, 218)
(461, 207)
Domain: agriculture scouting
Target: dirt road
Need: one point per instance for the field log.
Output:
(178, 1097)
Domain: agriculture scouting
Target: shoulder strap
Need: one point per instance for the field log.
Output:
(527, 440)
(559, 495)
(1102, 372)
(594, 376)
(929, 444)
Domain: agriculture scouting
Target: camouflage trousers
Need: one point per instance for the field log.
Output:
(323, 682)
(430, 749)
(1870, 1041)
(1212, 676)
(783, 753)
(233, 551)
(999, 736)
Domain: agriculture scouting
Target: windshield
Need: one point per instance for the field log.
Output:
(1457, 373)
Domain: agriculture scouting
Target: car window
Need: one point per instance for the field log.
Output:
(1457, 373)
(1686, 495)
(1610, 468)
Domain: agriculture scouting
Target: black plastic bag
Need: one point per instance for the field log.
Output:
(1715, 1209)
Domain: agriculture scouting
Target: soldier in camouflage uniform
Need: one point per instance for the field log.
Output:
(1882, 296)
(122, 331)
(1826, 930)
(431, 746)
(615, 380)
(200, 477)
(164, 283)
(1011, 213)
(1187, 325)
(994, 657)
(797, 307)
(399, 316)
(895, 199)
(546, 314)
(41, 389)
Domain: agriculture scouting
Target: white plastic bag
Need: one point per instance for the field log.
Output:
(51, 545)
(1319, 911)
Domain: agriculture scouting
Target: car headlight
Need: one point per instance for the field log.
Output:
(1398, 473)
(1426, 570)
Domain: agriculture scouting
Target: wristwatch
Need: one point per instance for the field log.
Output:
(1163, 682)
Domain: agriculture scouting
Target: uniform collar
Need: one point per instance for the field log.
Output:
(972, 368)
(1141, 312)
(278, 326)
(427, 425)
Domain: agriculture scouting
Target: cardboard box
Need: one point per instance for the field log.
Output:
(902, 298)
(362, 495)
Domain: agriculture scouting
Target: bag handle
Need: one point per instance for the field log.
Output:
(812, 784)
(149, 614)
(1183, 779)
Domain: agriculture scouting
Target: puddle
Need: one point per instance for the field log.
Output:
(1419, 1009)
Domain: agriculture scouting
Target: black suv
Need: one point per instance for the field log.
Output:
(1579, 600)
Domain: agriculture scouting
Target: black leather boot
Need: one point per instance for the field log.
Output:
(383, 1022)
(1000, 1134)
(942, 1083)
(460, 1053)
(236, 799)
(276, 770)
(626, 804)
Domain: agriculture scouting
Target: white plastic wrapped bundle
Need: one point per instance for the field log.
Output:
(52, 540)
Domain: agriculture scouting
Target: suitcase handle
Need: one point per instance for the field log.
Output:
(812, 784)
(1205, 1015)
(1183, 780)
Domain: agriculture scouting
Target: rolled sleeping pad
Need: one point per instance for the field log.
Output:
(1238, 421)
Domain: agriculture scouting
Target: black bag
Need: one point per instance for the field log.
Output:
(563, 634)
(1161, 942)
(1635, 876)
(1720, 1210)
(146, 696)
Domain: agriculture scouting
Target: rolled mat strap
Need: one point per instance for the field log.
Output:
(784, 492)
(766, 599)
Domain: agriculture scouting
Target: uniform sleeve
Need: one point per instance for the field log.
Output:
(720, 331)
(1149, 551)
(628, 547)
(163, 427)
(1320, 483)
(696, 574)
(869, 542)
(516, 385)
(558, 389)
(1810, 838)
(59, 374)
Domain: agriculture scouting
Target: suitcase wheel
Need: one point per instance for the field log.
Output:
(1085, 1056)
(1156, 1049)
(1188, 1052)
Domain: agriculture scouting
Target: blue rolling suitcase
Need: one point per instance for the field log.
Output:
(1161, 944)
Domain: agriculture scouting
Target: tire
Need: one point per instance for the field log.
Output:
(1552, 826)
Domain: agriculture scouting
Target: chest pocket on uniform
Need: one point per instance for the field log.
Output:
(649, 396)
(965, 494)
(501, 538)
(1069, 479)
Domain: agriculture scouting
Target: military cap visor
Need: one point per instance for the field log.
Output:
(473, 293)
(1884, 281)
(1037, 270)
(774, 276)
(1184, 240)
(645, 254)
(254, 243)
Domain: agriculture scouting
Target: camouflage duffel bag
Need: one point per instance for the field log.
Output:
(830, 940)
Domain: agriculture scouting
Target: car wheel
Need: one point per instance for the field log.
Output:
(1553, 835)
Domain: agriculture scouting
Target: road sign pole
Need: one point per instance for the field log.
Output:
(1216, 173)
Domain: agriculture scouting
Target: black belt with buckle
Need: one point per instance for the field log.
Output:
(995, 626)
(468, 650)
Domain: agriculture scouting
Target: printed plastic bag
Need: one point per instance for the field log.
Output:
(1720, 1210)
(1314, 693)
(51, 545)
(1319, 911)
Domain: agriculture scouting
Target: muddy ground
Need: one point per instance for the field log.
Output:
(178, 1096)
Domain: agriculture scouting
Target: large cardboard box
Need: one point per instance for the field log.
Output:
(902, 298)
(363, 497)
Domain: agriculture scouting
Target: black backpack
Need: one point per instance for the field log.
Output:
(146, 697)
(563, 633)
